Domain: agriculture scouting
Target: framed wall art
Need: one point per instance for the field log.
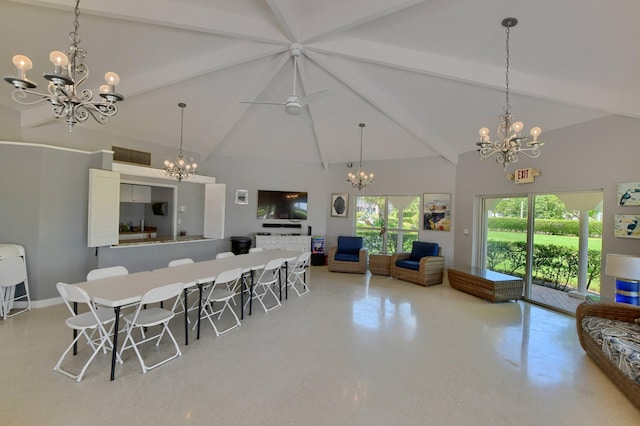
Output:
(436, 210)
(627, 226)
(242, 196)
(629, 194)
(339, 205)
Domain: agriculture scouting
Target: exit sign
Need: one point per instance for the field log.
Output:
(524, 175)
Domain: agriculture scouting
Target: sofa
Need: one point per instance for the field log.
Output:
(424, 265)
(348, 256)
(610, 334)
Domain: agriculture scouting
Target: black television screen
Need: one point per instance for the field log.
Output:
(282, 205)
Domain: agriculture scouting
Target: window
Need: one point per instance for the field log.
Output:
(388, 223)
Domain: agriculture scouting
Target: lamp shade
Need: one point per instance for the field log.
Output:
(623, 266)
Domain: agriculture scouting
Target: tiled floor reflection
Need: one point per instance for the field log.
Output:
(357, 350)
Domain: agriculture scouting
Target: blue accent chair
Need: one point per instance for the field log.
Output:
(424, 265)
(348, 256)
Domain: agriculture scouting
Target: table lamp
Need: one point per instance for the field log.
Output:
(626, 269)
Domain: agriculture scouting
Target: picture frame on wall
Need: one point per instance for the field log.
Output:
(627, 226)
(242, 196)
(340, 205)
(629, 194)
(436, 210)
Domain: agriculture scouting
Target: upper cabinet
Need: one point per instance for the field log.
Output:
(130, 193)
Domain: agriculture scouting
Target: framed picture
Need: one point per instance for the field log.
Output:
(436, 210)
(242, 196)
(339, 205)
(629, 194)
(627, 226)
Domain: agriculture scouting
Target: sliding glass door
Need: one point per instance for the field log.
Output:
(552, 241)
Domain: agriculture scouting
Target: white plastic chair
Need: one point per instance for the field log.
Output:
(150, 317)
(91, 320)
(13, 271)
(185, 261)
(255, 249)
(268, 278)
(297, 274)
(217, 294)
(224, 254)
(111, 271)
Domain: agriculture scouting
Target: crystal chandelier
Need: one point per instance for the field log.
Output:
(361, 178)
(510, 142)
(67, 98)
(180, 169)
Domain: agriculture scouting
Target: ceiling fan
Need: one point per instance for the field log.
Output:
(294, 104)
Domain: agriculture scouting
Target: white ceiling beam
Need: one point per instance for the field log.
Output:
(352, 14)
(175, 14)
(236, 111)
(284, 18)
(171, 74)
(387, 105)
(307, 90)
(569, 93)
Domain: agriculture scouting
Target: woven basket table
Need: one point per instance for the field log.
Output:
(379, 264)
(489, 285)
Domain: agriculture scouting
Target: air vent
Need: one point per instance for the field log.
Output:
(131, 156)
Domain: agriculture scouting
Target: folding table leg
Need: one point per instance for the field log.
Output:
(75, 332)
(114, 353)
(199, 308)
(186, 319)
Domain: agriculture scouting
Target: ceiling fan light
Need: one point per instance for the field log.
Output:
(293, 108)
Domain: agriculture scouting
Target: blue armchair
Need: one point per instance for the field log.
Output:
(424, 265)
(348, 256)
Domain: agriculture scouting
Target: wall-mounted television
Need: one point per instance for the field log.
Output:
(282, 205)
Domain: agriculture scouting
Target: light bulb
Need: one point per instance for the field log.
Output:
(194, 166)
(535, 132)
(58, 59)
(22, 62)
(171, 165)
(484, 134)
(188, 167)
(181, 162)
(105, 88)
(166, 163)
(371, 175)
(112, 78)
(517, 126)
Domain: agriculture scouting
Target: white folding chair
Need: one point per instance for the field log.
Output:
(224, 254)
(92, 320)
(262, 287)
(111, 271)
(13, 271)
(297, 274)
(190, 291)
(217, 294)
(150, 317)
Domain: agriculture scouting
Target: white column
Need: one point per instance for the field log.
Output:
(583, 256)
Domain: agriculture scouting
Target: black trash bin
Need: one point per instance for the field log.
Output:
(240, 245)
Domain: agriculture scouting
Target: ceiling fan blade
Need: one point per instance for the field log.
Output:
(314, 96)
(262, 103)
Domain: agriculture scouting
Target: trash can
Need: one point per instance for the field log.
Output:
(240, 245)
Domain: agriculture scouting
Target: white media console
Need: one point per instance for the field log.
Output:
(284, 242)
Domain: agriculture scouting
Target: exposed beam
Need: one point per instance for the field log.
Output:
(352, 14)
(306, 87)
(175, 14)
(388, 106)
(171, 74)
(236, 111)
(565, 92)
(285, 19)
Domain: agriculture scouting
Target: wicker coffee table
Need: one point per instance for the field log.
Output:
(379, 264)
(489, 285)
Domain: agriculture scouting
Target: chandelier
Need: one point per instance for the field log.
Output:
(180, 169)
(361, 178)
(67, 98)
(510, 142)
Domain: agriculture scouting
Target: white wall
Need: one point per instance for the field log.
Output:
(593, 155)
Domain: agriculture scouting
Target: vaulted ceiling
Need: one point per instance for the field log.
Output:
(423, 75)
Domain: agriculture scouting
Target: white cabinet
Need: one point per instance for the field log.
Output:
(284, 242)
(130, 193)
(104, 211)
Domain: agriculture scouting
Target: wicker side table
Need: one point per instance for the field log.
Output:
(379, 264)
(489, 285)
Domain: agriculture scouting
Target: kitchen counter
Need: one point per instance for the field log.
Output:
(160, 240)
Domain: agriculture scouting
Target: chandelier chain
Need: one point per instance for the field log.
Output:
(74, 36)
(507, 108)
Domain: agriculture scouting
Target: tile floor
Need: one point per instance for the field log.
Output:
(357, 350)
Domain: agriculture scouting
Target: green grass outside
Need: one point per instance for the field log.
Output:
(558, 240)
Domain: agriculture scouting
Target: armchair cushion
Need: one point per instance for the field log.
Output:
(409, 264)
(349, 246)
(421, 249)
